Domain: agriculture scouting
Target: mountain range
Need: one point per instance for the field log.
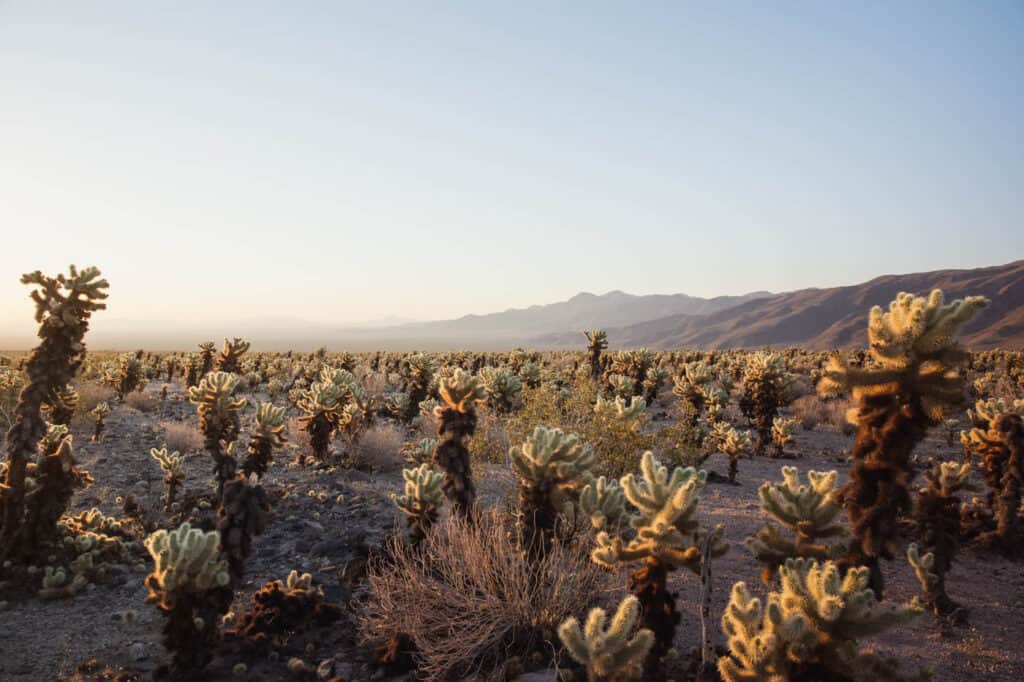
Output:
(811, 318)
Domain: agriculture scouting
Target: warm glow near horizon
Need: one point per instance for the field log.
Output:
(346, 162)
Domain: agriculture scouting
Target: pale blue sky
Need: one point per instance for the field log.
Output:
(346, 161)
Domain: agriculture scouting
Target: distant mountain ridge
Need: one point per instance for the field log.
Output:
(832, 318)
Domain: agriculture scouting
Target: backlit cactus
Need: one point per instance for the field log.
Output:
(324, 411)
(421, 501)
(597, 341)
(267, 435)
(457, 422)
(615, 653)
(767, 387)
(230, 356)
(913, 376)
(810, 511)
(173, 466)
(552, 467)
(503, 389)
(64, 305)
(668, 537)
(99, 416)
(732, 443)
(809, 629)
(219, 410)
(783, 431)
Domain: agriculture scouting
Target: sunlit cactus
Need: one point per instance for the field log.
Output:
(552, 467)
(603, 501)
(173, 466)
(99, 416)
(419, 452)
(456, 422)
(615, 653)
(64, 305)
(767, 387)
(421, 501)
(190, 586)
(219, 410)
(810, 628)
(810, 511)
(418, 372)
(732, 443)
(620, 386)
(503, 389)
(938, 523)
(126, 377)
(668, 537)
(912, 378)
(206, 352)
(324, 411)
(597, 341)
(783, 432)
(632, 416)
(691, 387)
(997, 439)
(267, 435)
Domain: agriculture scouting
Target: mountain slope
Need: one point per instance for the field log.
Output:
(835, 317)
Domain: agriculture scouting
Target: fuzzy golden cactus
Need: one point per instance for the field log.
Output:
(810, 628)
(767, 387)
(597, 341)
(456, 422)
(219, 421)
(99, 416)
(421, 501)
(324, 408)
(267, 435)
(64, 305)
(668, 536)
(230, 356)
(173, 466)
(552, 467)
(810, 511)
(614, 653)
(732, 443)
(912, 376)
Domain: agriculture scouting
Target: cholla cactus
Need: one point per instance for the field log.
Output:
(418, 372)
(603, 501)
(419, 452)
(732, 443)
(456, 422)
(230, 355)
(99, 415)
(767, 387)
(938, 523)
(810, 628)
(219, 421)
(783, 430)
(126, 377)
(422, 500)
(530, 374)
(397, 403)
(810, 511)
(621, 386)
(552, 466)
(912, 378)
(653, 381)
(190, 586)
(268, 434)
(668, 536)
(173, 466)
(633, 364)
(504, 390)
(244, 513)
(64, 305)
(324, 412)
(997, 439)
(597, 341)
(615, 654)
(632, 417)
(691, 387)
(206, 356)
(61, 405)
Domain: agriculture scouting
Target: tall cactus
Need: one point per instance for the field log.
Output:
(421, 501)
(668, 537)
(219, 421)
(913, 377)
(597, 341)
(230, 355)
(64, 305)
(268, 434)
(324, 408)
(457, 422)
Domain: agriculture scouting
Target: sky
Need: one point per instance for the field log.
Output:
(350, 161)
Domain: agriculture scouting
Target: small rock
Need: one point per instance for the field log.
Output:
(137, 651)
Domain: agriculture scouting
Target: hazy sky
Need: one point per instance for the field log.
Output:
(348, 161)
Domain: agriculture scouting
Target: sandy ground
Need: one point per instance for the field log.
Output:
(322, 520)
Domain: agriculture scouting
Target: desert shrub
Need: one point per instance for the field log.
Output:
(143, 402)
(490, 442)
(90, 394)
(182, 437)
(469, 599)
(809, 411)
(838, 416)
(379, 449)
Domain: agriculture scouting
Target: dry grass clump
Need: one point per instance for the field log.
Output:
(379, 449)
(810, 411)
(469, 599)
(143, 402)
(837, 410)
(90, 394)
(182, 437)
